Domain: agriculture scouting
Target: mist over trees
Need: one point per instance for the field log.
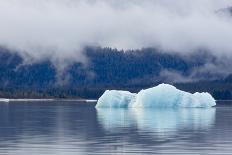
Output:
(109, 68)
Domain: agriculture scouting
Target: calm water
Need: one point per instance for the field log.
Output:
(65, 128)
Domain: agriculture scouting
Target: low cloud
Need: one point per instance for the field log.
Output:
(60, 29)
(217, 69)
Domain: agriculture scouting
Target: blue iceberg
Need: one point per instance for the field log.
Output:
(116, 99)
(161, 96)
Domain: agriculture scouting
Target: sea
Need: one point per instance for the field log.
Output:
(76, 127)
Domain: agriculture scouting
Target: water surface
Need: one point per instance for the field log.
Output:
(66, 128)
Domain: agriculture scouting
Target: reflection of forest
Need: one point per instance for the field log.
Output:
(48, 120)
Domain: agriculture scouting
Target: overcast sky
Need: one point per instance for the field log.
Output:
(59, 29)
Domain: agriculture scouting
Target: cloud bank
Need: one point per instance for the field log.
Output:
(60, 29)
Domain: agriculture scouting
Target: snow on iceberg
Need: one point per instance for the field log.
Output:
(161, 96)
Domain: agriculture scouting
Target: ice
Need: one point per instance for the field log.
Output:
(4, 100)
(116, 99)
(30, 100)
(161, 96)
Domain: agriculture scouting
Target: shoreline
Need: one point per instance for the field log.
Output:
(45, 100)
(65, 100)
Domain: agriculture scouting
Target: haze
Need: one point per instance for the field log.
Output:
(60, 29)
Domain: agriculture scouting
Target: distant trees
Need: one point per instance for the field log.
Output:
(107, 69)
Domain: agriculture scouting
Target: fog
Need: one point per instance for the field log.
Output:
(60, 29)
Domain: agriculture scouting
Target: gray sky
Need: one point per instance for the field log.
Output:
(59, 29)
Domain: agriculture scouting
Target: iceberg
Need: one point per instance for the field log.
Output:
(161, 96)
(116, 99)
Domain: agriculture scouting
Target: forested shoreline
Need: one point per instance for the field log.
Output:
(109, 68)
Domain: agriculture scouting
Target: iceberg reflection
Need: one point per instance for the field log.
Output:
(159, 122)
(115, 118)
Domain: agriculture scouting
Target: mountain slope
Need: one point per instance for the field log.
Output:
(107, 69)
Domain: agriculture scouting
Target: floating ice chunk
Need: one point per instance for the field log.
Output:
(161, 96)
(4, 100)
(115, 99)
(165, 95)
